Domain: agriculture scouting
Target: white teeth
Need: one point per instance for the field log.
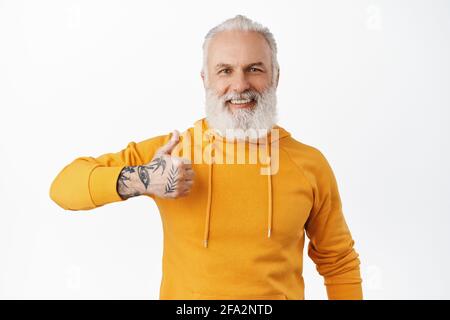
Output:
(240, 101)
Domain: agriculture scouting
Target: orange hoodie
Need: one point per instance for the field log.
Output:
(240, 232)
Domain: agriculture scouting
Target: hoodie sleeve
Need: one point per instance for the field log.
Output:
(331, 245)
(87, 182)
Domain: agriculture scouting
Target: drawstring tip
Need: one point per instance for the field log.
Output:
(269, 233)
(205, 243)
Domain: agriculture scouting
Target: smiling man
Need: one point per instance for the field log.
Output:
(237, 194)
(240, 74)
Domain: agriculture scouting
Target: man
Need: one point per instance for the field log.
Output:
(236, 192)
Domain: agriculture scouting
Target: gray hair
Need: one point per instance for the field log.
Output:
(240, 22)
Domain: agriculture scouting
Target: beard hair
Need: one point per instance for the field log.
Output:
(242, 123)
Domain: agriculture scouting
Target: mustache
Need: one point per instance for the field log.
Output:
(250, 94)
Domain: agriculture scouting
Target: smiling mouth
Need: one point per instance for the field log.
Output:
(241, 103)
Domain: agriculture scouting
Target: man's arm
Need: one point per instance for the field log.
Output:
(87, 183)
(331, 246)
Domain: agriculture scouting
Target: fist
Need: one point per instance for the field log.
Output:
(168, 176)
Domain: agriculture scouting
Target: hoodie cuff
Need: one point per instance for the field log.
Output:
(103, 185)
(348, 291)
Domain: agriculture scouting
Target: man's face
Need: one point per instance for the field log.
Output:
(239, 89)
(239, 61)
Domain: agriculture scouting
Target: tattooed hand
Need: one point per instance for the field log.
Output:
(164, 176)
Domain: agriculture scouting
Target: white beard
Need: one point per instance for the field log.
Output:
(242, 123)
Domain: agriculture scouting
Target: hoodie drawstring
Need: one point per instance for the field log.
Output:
(208, 205)
(209, 200)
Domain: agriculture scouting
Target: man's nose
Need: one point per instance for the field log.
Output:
(240, 82)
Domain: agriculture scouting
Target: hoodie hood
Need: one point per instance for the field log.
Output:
(210, 136)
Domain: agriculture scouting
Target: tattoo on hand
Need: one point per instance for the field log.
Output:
(123, 177)
(129, 190)
(156, 163)
(172, 180)
(122, 187)
(143, 176)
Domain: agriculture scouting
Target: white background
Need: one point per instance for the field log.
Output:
(365, 82)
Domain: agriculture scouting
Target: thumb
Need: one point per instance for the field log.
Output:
(168, 147)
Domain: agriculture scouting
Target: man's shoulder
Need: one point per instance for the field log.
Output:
(305, 156)
(300, 150)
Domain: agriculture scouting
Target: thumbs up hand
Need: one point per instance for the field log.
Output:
(170, 145)
(167, 176)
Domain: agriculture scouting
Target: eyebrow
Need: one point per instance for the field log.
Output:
(222, 65)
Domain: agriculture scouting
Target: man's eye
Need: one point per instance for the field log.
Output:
(254, 69)
(223, 71)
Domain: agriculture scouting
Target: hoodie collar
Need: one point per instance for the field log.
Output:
(268, 138)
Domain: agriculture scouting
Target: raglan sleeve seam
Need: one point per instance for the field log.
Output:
(301, 170)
